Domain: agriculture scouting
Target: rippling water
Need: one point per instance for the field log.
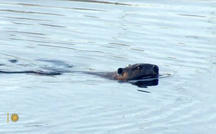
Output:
(179, 36)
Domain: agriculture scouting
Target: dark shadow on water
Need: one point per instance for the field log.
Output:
(145, 84)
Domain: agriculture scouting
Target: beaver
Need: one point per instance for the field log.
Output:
(129, 73)
(140, 74)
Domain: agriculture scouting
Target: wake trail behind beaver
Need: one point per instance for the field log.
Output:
(32, 72)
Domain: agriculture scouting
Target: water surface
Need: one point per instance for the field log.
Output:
(178, 36)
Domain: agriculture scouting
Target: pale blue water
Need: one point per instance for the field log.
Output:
(178, 36)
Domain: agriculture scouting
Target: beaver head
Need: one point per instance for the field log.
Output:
(137, 71)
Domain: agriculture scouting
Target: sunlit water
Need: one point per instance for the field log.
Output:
(178, 36)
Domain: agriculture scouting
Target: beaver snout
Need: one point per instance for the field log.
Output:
(156, 70)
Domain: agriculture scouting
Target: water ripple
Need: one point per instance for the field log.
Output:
(92, 35)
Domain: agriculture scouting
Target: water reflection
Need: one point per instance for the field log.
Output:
(146, 83)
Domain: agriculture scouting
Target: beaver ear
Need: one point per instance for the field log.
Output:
(120, 71)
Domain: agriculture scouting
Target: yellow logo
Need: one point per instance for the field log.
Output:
(14, 117)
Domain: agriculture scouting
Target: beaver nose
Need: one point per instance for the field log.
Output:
(156, 69)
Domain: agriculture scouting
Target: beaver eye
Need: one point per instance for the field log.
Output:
(120, 71)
